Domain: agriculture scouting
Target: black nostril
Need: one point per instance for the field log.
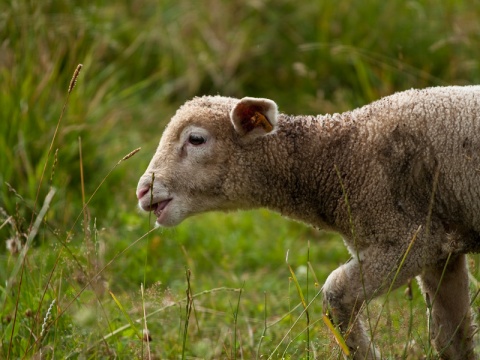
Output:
(141, 193)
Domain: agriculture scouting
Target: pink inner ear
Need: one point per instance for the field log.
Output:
(246, 114)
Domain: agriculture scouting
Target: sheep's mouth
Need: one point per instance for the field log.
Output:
(159, 207)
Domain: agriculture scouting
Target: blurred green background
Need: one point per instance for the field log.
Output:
(141, 60)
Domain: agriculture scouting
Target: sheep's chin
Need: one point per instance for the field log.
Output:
(168, 216)
(167, 222)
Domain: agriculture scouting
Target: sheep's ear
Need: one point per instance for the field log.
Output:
(254, 117)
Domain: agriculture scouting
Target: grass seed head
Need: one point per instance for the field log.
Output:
(14, 245)
(146, 335)
(74, 78)
(130, 154)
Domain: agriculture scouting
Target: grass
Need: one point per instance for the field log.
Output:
(141, 59)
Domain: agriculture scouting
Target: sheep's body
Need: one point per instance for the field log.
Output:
(401, 173)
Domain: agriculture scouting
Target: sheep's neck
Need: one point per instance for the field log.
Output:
(304, 162)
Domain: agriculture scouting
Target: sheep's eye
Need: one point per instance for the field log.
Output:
(196, 139)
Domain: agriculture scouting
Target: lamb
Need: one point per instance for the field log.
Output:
(399, 179)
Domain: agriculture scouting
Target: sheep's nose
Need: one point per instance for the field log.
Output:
(141, 192)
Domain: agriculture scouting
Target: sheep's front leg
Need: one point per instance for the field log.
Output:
(451, 326)
(345, 291)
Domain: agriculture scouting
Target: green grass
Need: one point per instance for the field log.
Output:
(142, 59)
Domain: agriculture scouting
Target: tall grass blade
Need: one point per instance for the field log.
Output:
(125, 314)
(32, 234)
(338, 337)
(235, 321)
(70, 88)
(304, 303)
(146, 332)
(188, 312)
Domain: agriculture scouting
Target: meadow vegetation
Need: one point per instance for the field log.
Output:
(80, 265)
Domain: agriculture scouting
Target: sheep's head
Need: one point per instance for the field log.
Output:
(194, 158)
